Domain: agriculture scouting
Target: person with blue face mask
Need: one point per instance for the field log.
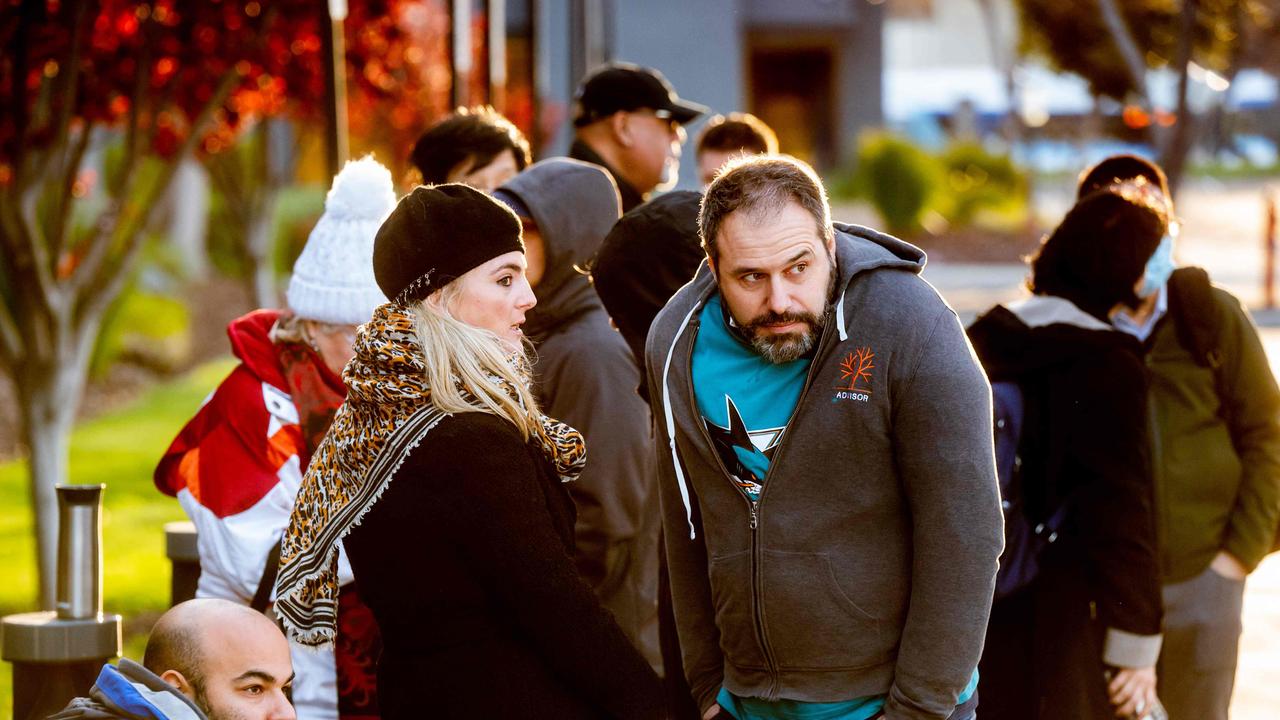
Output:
(1215, 445)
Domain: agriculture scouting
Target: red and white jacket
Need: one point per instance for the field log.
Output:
(236, 468)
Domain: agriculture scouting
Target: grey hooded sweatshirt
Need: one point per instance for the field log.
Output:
(586, 376)
(868, 565)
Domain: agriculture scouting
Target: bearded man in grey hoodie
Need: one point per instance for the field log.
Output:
(585, 375)
(828, 485)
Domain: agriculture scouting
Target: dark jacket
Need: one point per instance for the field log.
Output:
(585, 376)
(128, 691)
(631, 197)
(869, 563)
(465, 562)
(1084, 443)
(1217, 454)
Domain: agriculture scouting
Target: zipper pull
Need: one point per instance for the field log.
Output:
(753, 514)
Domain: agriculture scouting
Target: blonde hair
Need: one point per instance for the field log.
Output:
(462, 360)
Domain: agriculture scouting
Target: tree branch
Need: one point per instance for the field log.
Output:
(106, 285)
(57, 236)
(1128, 49)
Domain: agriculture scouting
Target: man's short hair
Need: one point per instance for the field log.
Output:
(478, 134)
(738, 131)
(175, 646)
(1097, 253)
(1119, 168)
(760, 184)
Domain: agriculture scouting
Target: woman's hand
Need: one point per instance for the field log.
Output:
(1132, 691)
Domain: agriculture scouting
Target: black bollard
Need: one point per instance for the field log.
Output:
(57, 655)
(181, 549)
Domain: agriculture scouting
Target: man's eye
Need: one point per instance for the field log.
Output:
(799, 267)
(752, 277)
(254, 690)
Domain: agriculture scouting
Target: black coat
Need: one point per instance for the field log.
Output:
(1084, 442)
(466, 563)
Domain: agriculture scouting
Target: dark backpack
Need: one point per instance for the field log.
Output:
(1198, 320)
(1024, 540)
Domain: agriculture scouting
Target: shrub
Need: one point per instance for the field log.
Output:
(978, 181)
(900, 180)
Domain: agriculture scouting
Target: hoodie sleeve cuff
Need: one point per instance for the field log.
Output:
(1127, 650)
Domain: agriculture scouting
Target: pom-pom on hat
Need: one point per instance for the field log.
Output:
(435, 235)
(333, 279)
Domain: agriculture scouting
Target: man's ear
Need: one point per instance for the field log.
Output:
(620, 126)
(179, 682)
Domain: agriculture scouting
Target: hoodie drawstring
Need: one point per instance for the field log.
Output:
(844, 335)
(671, 423)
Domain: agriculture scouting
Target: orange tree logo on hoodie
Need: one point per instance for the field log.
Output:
(855, 375)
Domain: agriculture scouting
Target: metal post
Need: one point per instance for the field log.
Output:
(56, 655)
(1269, 252)
(334, 47)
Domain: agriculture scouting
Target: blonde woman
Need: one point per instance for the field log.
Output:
(445, 485)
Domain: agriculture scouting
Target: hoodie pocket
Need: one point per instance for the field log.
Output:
(810, 619)
(731, 594)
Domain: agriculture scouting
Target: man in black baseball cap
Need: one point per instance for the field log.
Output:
(629, 120)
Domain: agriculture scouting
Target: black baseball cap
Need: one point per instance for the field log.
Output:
(622, 86)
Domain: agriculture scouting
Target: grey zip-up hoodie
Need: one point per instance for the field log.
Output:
(868, 564)
(586, 376)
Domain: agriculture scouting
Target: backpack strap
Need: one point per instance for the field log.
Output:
(1198, 321)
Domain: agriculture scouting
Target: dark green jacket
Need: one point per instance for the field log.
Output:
(1217, 460)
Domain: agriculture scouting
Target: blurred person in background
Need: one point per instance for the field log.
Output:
(205, 660)
(448, 487)
(1215, 412)
(584, 375)
(1080, 638)
(237, 465)
(630, 121)
(726, 137)
(475, 146)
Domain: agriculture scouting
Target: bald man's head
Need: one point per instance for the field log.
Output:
(229, 659)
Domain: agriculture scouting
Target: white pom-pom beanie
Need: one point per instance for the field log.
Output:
(333, 277)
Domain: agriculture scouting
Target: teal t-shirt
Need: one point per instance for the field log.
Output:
(746, 403)
(857, 709)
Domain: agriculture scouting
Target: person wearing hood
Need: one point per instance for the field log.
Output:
(649, 254)
(1093, 609)
(237, 465)
(830, 506)
(448, 487)
(205, 660)
(586, 376)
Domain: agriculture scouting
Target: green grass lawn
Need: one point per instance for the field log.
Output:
(121, 449)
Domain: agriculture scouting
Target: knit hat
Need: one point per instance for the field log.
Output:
(435, 235)
(332, 279)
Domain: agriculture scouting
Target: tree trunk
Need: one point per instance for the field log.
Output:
(1134, 63)
(259, 246)
(49, 391)
(1173, 157)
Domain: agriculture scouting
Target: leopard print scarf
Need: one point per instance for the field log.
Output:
(386, 414)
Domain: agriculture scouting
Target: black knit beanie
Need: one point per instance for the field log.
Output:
(435, 235)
